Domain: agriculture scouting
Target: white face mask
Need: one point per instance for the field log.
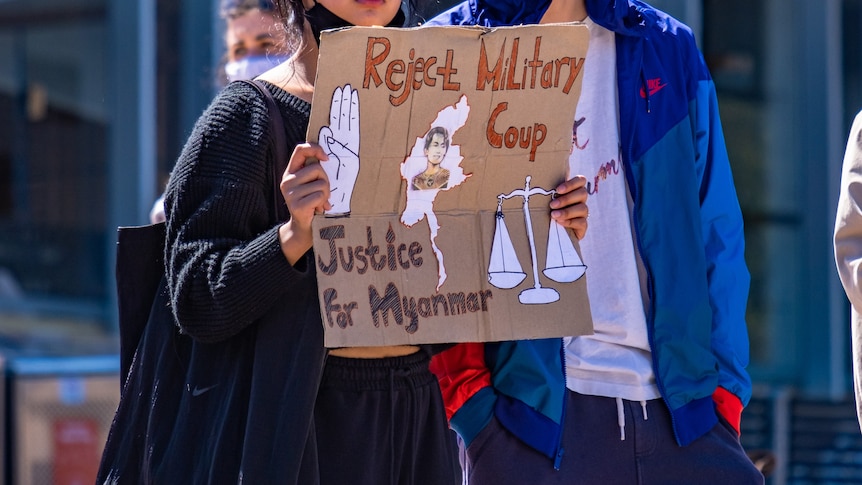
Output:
(251, 67)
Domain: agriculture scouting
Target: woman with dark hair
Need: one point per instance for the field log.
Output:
(254, 38)
(369, 415)
(378, 417)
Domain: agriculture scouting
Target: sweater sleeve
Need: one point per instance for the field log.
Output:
(224, 263)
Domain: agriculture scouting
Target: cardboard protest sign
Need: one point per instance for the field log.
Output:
(444, 146)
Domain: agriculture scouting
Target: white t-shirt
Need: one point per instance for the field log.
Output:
(616, 360)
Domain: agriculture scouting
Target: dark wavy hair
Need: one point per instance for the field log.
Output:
(292, 14)
(231, 9)
(437, 130)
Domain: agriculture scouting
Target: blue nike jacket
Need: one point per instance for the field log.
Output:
(689, 233)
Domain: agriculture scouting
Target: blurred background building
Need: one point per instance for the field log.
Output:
(98, 96)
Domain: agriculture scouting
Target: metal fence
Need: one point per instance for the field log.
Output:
(814, 441)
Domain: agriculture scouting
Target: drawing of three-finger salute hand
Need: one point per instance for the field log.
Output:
(309, 187)
(340, 141)
(337, 148)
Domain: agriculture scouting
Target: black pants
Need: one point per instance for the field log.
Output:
(596, 454)
(382, 421)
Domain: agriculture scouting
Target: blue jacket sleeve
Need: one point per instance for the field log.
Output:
(722, 226)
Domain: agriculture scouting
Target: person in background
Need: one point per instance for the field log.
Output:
(655, 395)
(848, 247)
(254, 37)
(157, 212)
(255, 42)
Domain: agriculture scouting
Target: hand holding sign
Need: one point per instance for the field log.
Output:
(340, 141)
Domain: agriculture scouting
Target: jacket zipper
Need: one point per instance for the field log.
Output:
(650, 284)
(559, 456)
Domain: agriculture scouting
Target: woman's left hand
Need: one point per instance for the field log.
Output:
(569, 207)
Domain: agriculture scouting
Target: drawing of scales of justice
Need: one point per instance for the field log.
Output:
(563, 264)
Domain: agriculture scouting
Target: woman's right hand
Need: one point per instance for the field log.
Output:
(305, 188)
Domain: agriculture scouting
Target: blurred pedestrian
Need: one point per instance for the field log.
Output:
(848, 247)
(255, 38)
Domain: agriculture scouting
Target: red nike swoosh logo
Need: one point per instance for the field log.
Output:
(653, 89)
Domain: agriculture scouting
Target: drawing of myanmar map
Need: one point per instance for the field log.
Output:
(434, 165)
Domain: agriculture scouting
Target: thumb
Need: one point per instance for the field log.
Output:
(324, 137)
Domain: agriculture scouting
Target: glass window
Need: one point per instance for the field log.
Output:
(169, 130)
(852, 59)
(53, 159)
(772, 72)
(59, 201)
(54, 205)
(757, 113)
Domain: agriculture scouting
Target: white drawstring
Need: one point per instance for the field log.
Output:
(621, 418)
(465, 463)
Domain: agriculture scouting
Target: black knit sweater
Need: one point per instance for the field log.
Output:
(224, 263)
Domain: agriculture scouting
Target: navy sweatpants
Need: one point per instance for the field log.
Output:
(382, 422)
(594, 452)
